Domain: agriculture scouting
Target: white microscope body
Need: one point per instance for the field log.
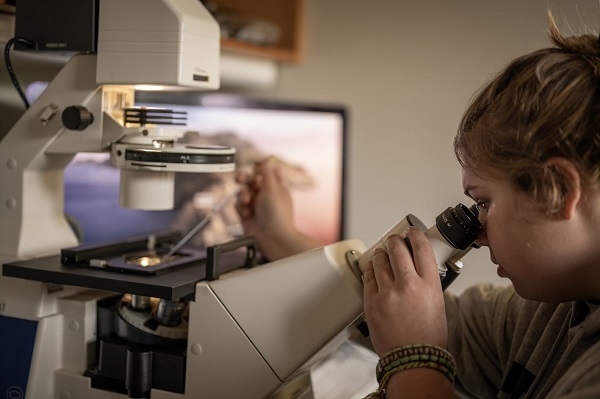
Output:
(248, 331)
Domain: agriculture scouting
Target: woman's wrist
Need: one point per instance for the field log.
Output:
(419, 383)
(422, 357)
(416, 356)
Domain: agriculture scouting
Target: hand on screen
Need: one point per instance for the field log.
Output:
(266, 209)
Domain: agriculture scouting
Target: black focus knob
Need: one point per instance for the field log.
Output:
(77, 117)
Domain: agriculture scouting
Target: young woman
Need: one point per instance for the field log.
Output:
(529, 145)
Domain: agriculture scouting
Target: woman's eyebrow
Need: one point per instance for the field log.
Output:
(467, 191)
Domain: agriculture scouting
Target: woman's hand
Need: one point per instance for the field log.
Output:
(403, 296)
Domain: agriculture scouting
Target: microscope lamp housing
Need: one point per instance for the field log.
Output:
(167, 43)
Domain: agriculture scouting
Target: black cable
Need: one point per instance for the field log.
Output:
(11, 73)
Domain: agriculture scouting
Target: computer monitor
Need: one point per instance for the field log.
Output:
(309, 140)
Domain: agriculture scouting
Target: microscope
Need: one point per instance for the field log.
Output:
(118, 320)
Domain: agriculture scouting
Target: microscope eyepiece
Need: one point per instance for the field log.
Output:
(460, 225)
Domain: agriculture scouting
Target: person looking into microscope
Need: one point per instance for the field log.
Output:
(529, 147)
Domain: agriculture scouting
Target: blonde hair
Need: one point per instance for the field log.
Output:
(541, 105)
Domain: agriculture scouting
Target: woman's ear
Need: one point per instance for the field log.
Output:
(572, 178)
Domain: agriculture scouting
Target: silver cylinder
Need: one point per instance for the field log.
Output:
(168, 312)
(140, 303)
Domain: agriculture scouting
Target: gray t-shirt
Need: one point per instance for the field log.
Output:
(508, 347)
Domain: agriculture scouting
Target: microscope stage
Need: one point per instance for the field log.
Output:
(178, 283)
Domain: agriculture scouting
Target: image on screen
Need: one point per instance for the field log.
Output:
(307, 140)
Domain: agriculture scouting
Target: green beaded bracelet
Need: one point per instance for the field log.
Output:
(410, 357)
(418, 353)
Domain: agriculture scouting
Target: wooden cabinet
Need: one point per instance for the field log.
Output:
(237, 18)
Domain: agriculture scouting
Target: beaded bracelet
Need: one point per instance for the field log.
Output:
(409, 357)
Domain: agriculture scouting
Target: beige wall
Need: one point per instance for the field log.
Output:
(406, 70)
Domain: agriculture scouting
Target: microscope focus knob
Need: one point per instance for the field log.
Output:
(77, 117)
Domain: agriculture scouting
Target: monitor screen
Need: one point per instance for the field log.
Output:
(308, 141)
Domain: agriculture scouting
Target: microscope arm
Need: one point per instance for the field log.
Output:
(34, 154)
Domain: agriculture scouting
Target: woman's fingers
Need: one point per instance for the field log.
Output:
(424, 259)
(368, 276)
(399, 287)
(401, 262)
(398, 264)
(381, 268)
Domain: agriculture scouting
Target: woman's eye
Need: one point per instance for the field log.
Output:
(482, 206)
